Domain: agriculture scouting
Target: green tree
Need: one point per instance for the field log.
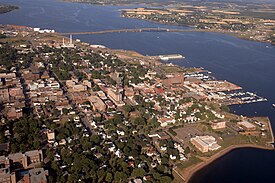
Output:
(138, 172)
(14, 148)
(120, 177)
(165, 179)
(109, 177)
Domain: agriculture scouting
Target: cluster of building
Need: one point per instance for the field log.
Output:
(22, 167)
(11, 96)
(170, 91)
(41, 89)
(223, 18)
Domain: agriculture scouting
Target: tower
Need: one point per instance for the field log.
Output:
(71, 39)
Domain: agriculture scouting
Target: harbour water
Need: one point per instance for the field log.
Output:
(245, 63)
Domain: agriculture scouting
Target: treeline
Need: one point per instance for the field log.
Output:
(8, 56)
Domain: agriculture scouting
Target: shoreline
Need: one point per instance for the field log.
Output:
(189, 172)
(6, 8)
(234, 34)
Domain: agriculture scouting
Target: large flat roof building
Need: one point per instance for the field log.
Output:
(205, 143)
(247, 125)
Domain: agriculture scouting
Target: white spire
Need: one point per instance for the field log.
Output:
(71, 39)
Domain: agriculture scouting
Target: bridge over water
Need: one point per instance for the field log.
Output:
(136, 30)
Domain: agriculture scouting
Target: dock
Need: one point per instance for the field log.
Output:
(170, 57)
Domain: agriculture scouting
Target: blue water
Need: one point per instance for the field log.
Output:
(246, 63)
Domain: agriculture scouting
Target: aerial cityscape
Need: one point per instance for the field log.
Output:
(137, 91)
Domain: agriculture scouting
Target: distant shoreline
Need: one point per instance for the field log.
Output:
(235, 34)
(206, 30)
(7, 8)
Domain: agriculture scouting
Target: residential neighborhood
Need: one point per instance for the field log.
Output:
(97, 115)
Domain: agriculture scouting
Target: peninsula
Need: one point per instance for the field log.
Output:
(7, 8)
(247, 21)
(74, 111)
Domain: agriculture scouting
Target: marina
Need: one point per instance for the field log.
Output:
(240, 97)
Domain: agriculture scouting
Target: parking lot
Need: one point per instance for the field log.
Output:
(184, 134)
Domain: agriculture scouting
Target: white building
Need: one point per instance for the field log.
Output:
(205, 143)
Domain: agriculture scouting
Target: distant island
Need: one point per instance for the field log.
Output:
(246, 20)
(7, 8)
(118, 2)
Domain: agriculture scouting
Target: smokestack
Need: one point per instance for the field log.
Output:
(71, 39)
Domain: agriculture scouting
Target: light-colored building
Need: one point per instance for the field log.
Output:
(70, 83)
(115, 96)
(166, 121)
(101, 95)
(205, 143)
(51, 136)
(97, 103)
(247, 126)
(79, 88)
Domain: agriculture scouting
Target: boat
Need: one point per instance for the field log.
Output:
(273, 105)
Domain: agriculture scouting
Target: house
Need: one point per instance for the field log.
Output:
(45, 75)
(164, 121)
(14, 113)
(51, 136)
